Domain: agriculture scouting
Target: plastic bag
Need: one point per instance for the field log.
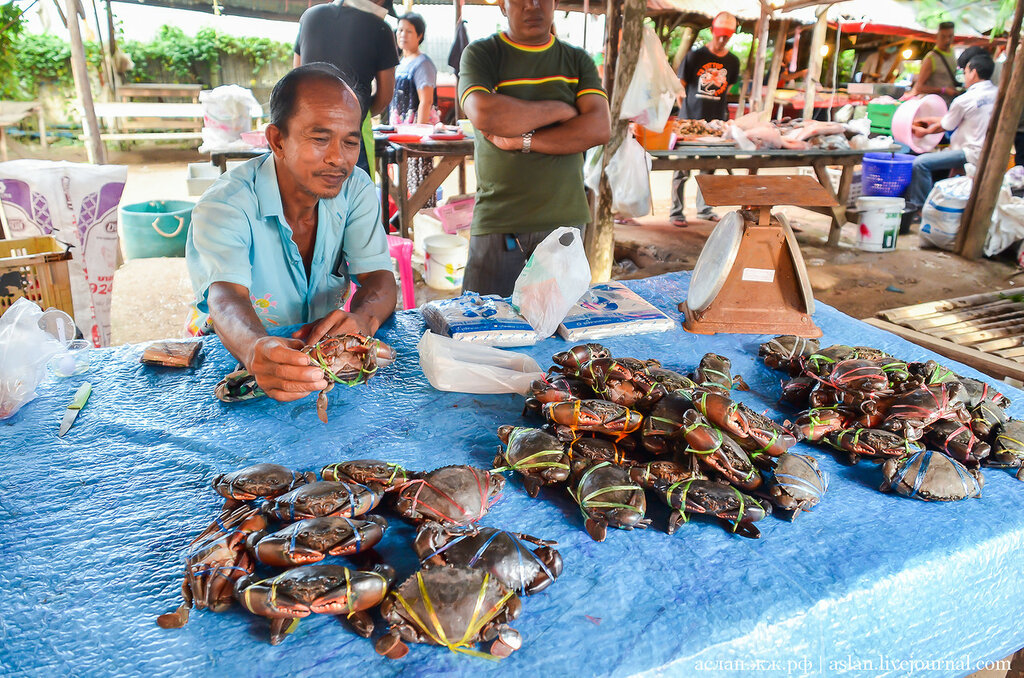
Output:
(1008, 218)
(654, 88)
(452, 365)
(941, 214)
(25, 349)
(629, 175)
(228, 111)
(554, 278)
(592, 168)
(489, 320)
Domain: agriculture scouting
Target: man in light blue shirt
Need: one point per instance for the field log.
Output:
(273, 242)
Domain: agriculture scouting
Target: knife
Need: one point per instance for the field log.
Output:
(81, 398)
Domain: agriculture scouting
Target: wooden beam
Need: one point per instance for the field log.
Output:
(773, 75)
(814, 61)
(685, 43)
(762, 53)
(992, 365)
(600, 237)
(94, 145)
(977, 216)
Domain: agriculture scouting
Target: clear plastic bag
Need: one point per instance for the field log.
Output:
(25, 348)
(653, 88)
(629, 175)
(552, 281)
(453, 365)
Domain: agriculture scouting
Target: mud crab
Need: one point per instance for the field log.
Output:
(574, 358)
(814, 424)
(606, 496)
(665, 422)
(786, 351)
(985, 417)
(958, 441)
(595, 416)
(311, 540)
(646, 475)
(722, 412)
(913, 411)
(797, 483)
(555, 388)
(714, 373)
(538, 456)
(452, 494)
(504, 554)
(259, 480)
(766, 436)
(315, 589)
(323, 498)
(380, 476)
(735, 510)
(1008, 448)
(348, 359)
(598, 448)
(873, 443)
(456, 607)
(931, 476)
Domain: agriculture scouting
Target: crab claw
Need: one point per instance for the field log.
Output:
(391, 646)
(508, 641)
(597, 529)
(279, 628)
(321, 405)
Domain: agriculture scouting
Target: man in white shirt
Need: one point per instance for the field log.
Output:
(967, 119)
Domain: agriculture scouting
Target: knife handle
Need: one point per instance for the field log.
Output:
(81, 396)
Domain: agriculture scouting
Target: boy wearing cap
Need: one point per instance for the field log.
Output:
(706, 75)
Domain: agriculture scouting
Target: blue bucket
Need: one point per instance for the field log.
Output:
(157, 228)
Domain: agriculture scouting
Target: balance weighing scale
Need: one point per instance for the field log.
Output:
(750, 277)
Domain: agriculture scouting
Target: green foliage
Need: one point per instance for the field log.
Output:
(43, 58)
(987, 15)
(10, 31)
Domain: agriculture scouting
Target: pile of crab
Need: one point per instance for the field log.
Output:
(619, 427)
(273, 549)
(929, 428)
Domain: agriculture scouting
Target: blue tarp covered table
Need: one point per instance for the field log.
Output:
(94, 526)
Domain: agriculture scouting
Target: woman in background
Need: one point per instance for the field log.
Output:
(415, 82)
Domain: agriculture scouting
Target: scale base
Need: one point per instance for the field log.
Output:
(799, 324)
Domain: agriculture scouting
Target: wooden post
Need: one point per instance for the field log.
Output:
(762, 53)
(93, 143)
(992, 166)
(600, 237)
(612, 27)
(741, 104)
(814, 61)
(773, 75)
(973, 226)
(685, 43)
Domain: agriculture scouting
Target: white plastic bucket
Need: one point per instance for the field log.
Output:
(445, 261)
(879, 223)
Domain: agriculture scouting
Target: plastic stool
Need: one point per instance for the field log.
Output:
(400, 249)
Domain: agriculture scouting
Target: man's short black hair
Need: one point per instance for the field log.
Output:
(947, 25)
(285, 92)
(970, 53)
(983, 65)
(417, 23)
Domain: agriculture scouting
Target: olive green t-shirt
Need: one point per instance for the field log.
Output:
(524, 192)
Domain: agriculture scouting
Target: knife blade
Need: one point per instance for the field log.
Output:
(79, 401)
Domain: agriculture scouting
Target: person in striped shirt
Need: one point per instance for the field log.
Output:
(537, 104)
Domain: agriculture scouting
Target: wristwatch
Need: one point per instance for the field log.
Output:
(527, 140)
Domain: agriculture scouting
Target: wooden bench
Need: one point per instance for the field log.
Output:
(134, 91)
(139, 121)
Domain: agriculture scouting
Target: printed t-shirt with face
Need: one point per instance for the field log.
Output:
(526, 192)
(708, 78)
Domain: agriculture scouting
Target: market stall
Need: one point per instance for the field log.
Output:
(96, 522)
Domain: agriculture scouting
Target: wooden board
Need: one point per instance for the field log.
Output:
(764, 191)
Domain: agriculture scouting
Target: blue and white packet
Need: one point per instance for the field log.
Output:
(610, 310)
(489, 320)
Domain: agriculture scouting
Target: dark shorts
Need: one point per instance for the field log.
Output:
(492, 268)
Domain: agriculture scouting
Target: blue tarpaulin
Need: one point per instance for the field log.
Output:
(94, 526)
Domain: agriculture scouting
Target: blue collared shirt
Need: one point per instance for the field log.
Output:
(239, 235)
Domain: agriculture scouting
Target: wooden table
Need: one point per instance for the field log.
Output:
(158, 90)
(13, 112)
(730, 157)
(452, 155)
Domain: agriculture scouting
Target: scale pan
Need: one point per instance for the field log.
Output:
(715, 262)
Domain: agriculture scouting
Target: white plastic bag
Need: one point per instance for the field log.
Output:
(629, 175)
(941, 214)
(554, 278)
(592, 168)
(25, 349)
(654, 88)
(1008, 218)
(228, 111)
(452, 365)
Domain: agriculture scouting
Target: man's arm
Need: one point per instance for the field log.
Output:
(506, 116)
(385, 90)
(281, 370)
(372, 304)
(592, 127)
(925, 126)
(922, 77)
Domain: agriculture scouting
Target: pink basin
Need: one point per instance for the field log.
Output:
(929, 106)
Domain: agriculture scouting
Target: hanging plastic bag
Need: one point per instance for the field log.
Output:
(592, 168)
(228, 111)
(654, 88)
(629, 175)
(25, 349)
(554, 278)
(453, 365)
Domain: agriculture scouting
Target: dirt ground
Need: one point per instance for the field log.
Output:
(151, 295)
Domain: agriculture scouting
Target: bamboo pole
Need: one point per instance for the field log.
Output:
(762, 54)
(814, 61)
(773, 76)
(977, 215)
(600, 237)
(93, 143)
(685, 43)
(745, 80)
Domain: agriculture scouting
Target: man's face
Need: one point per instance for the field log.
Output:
(720, 43)
(944, 39)
(970, 76)
(529, 21)
(321, 145)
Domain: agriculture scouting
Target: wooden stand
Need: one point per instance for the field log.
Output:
(766, 290)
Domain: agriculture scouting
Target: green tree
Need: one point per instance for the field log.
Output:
(10, 31)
